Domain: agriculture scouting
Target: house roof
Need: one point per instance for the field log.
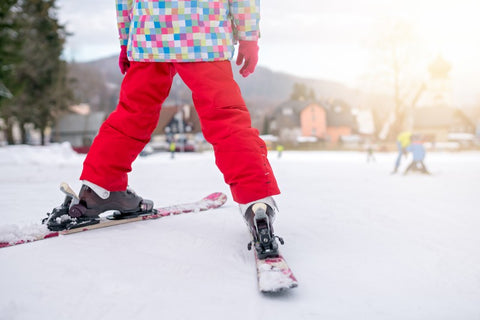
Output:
(288, 113)
(338, 113)
(340, 117)
(166, 116)
(295, 105)
(168, 112)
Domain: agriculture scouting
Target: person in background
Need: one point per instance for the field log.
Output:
(403, 140)
(172, 147)
(418, 151)
(369, 150)
(280, 149)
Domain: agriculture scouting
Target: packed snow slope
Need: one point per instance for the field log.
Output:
(364, 244)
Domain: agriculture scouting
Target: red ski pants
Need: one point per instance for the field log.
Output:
(239, 152)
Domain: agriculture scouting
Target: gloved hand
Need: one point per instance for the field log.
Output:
(248, 55)
(123, 62)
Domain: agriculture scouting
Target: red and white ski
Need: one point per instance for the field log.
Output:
(274, 275)
(41, 232)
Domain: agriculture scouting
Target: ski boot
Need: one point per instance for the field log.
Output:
(84, 210)
(259, 217)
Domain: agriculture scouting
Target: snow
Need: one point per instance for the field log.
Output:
(13, 233)
(362, 243)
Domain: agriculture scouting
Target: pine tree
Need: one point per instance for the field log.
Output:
(302, 92)
(40, 73)
(9, 57)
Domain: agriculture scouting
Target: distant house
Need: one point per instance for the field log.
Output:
(78, 129)
(176, 119)
(340, 121)
(313, 119)
(294, 120)
(436, 123)
(435, 116)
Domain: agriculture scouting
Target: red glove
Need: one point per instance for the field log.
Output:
(248, 55)
(123, 62)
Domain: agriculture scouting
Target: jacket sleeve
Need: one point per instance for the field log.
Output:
(245, 16)
(124, 8)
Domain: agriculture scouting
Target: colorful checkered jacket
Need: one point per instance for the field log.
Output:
(185, 30)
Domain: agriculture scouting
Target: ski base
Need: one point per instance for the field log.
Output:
(211, 201)
(274, 275)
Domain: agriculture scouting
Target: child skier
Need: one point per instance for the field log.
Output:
(418, 152)
(196, 40)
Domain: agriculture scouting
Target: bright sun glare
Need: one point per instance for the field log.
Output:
(449, 28)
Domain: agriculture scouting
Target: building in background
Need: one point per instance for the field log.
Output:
(297, 121)
(79, 127)
(434, 115)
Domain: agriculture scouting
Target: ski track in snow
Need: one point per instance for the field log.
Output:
(362, 243)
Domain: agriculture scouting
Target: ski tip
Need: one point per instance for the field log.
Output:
(277, 282)
(218, 197)
(274, 275)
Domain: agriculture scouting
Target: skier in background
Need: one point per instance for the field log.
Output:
(417, 149)
(369, 150)
(280, 149)
(403, 140)
(173, 148)
(194, 39)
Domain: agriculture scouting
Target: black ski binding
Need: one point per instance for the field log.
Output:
(59, 219)
(264, 241)
(146, 208)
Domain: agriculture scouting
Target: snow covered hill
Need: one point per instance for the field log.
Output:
(363, 244)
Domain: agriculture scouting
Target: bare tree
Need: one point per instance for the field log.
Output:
(397, 70)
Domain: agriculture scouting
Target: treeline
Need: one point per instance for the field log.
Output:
(34, 86)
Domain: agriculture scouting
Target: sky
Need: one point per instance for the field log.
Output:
(331, 40)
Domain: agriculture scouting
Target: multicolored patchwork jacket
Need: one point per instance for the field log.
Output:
(185, 30)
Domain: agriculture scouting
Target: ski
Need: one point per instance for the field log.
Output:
(38, 232)
(274, 275)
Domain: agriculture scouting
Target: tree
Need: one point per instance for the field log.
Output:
(397, 54)
(9, 56)
(8, 44)
(39, 74)
(90, 86)
(299, 92)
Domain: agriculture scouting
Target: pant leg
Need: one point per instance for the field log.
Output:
(399, 156)
(240, 154)
(423, 167)
(128, 129)
(410, 167)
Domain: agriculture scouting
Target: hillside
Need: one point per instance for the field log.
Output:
(262, 91)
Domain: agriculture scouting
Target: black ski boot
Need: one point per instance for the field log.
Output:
(259, 217)
(88, 206)
(91, 205)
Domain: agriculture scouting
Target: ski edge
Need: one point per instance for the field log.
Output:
(212, 201)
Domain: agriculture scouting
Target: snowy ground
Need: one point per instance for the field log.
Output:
(363, 244)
